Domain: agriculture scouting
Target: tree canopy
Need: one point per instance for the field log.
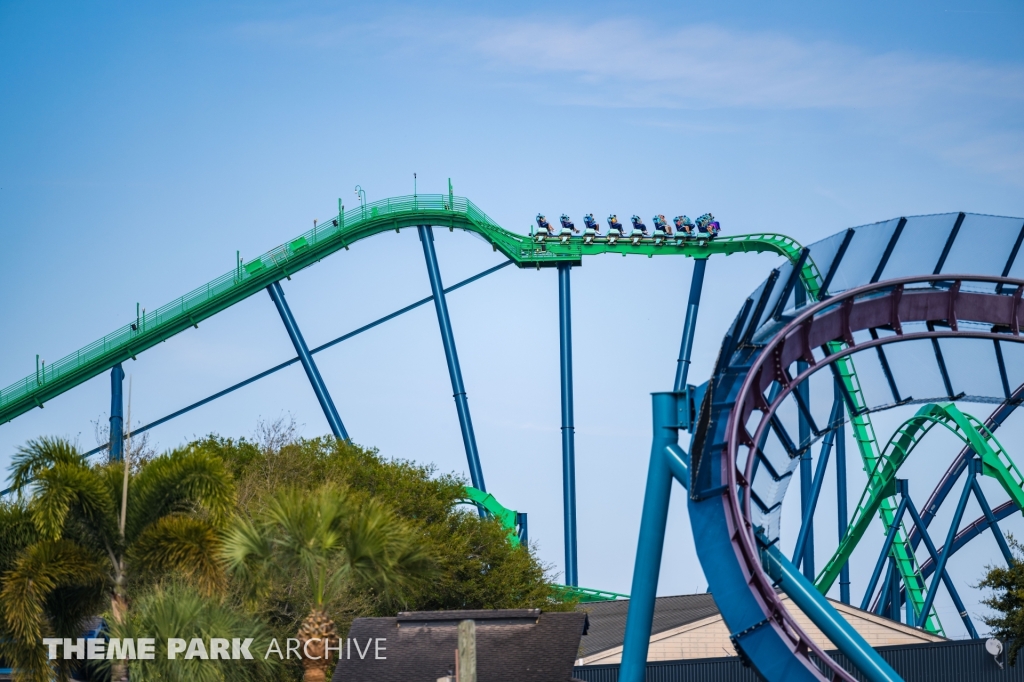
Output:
(390, 535)
(1007, 600)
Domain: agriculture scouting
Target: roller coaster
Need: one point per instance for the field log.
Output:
(914, 311)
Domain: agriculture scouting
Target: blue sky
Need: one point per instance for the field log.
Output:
(143, 145)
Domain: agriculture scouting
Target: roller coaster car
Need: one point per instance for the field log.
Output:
(614, 229)
(545, 228)
(685, 229)
(661, 229)
(567, 228)
(708, 225)
(639, 230)
(592, 229)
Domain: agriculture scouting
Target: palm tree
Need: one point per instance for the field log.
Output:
(172, 609)
(83, 540)
(332, 542)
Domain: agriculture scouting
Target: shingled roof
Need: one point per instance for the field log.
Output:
(608, 618)
(513, 645)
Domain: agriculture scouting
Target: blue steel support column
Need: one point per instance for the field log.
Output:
(476, 474)
(992, 523)
(813, 604)
(930, 546)
(841, 499)
(806, 473)
(651, 542)
(954, 526)
(568, 429)
(690, 324)
(116, 413)
(894, 593)
(312, 373)
(819, 478)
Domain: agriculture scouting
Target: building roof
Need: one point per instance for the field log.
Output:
(513, 645)
(608, 618)
(607, 626)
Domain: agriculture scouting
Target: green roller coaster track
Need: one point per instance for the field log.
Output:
(509, 521)
(507, 517)
(881, 485)
(439, 210)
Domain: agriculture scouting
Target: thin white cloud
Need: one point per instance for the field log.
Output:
(708, 66)
(963, 112)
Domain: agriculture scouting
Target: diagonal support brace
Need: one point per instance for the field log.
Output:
(476, 474)
(312, 373)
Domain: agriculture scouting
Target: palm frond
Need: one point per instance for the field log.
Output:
(181, 545)
(16, 532)
(247, 552)
(42, 568)
(176, 610)
(37, 455)
(183, 480)
(71, 487)
(382, 552)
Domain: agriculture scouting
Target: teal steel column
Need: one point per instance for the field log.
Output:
(312, 373)
(841, 495)
(690, 324)
(116, 413)
(813, 604)
(651, 542)
(476, 474)
(568, 429)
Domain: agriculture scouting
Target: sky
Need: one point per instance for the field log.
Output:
(143, 145)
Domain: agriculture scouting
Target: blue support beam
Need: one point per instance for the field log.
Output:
(894, 591)
(914, 619)
(116, 413)
(883, 555)
(819, 478)
(524, 528)
(832, 625)
(651, 542)
(312, 373)
(992, 523)
(568, 429)
(947, 550)
(476, 474)
(841, 493)
(690, 324)
(807, 497)
(288, 363)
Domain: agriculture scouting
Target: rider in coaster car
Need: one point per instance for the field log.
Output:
(707, 223)
(614, 224)
(661, 225)
(591, 224)
(543, 224)
(685, 225)
(567, 224)
(639, 225)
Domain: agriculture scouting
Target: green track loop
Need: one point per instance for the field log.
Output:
(867, 445)
(879, 495)
(341, 232)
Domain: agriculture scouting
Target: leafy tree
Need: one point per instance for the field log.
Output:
(333, 543)
(78, 545)
(477, 568)
(1007, 582)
